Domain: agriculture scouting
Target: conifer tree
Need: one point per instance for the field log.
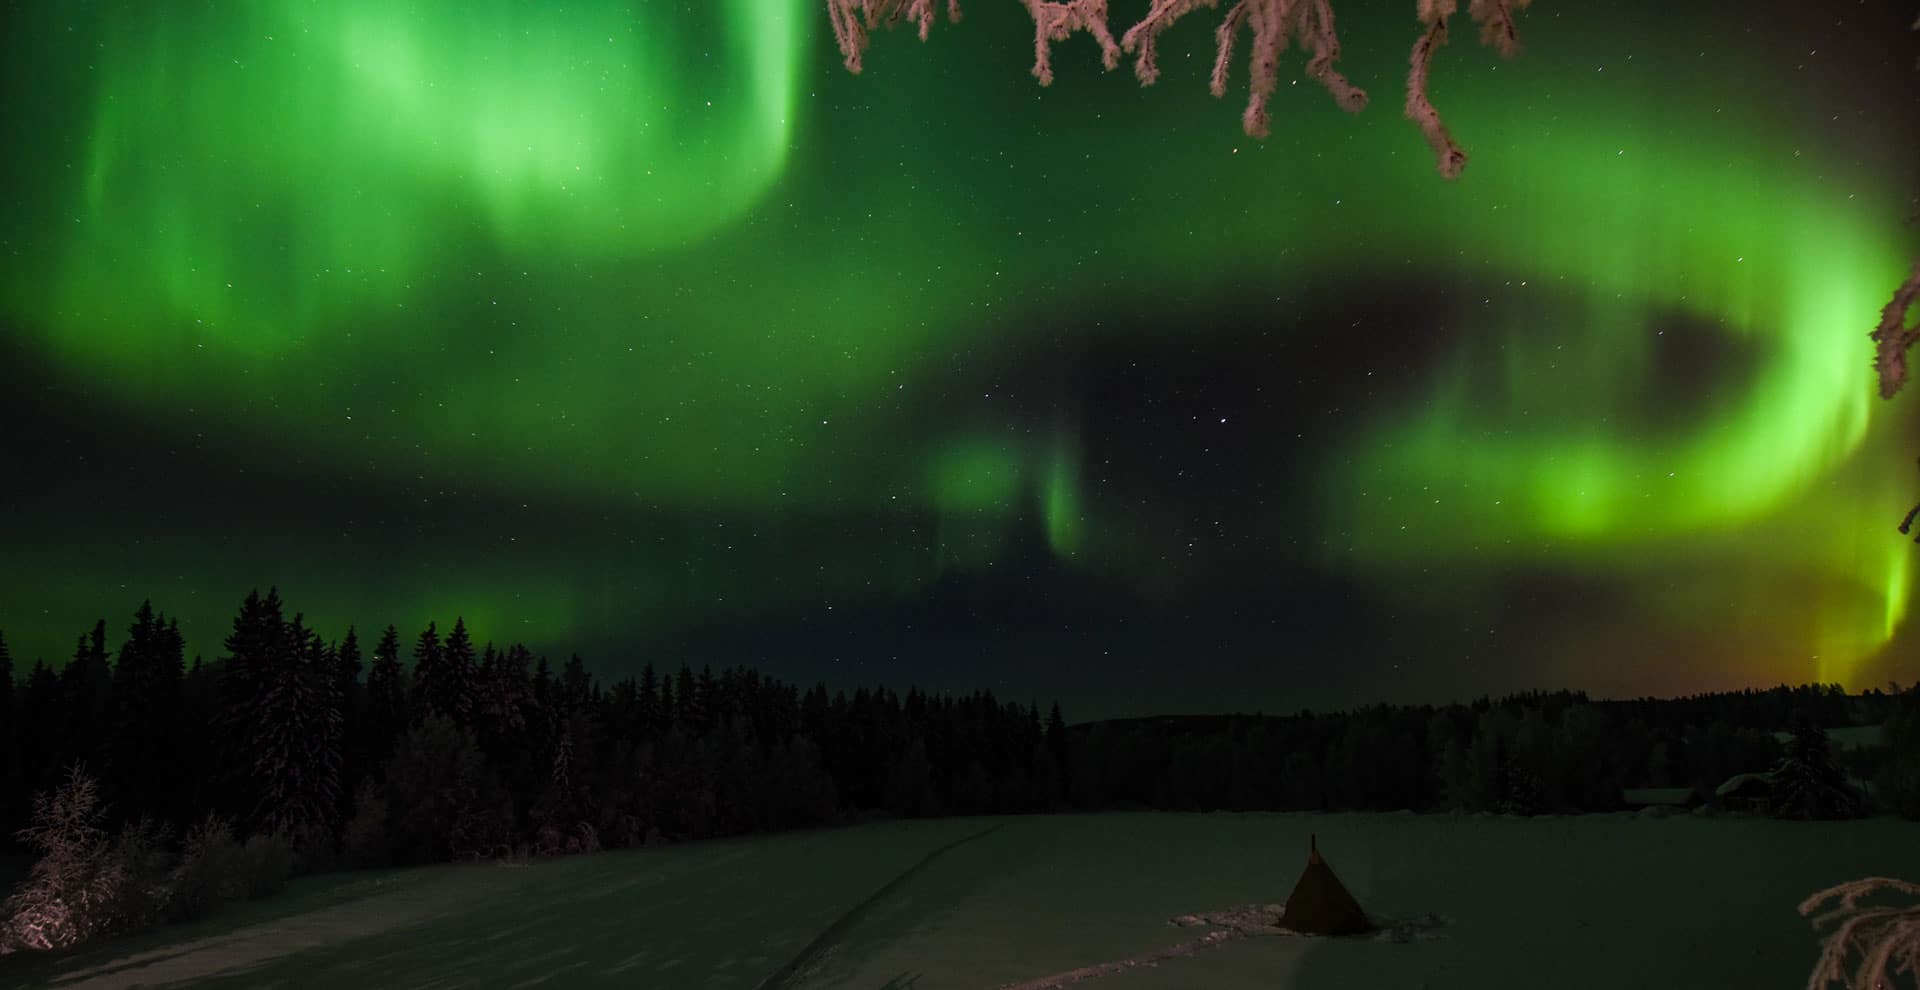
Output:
(500, 710)
(1808, 782)
(87, 683)
(514, 690)
(710, 707)
(386, 705)
(352, 696)
(450, 690)
(427, 676)
(42, 720)
(347, 664)
(254, 648)
(1056, 741)
(284, 709)
(145, 763)
(649, 703)
(576, 684)
(688, 714)
(296, 745)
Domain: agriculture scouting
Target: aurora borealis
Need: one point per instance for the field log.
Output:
(643, 329)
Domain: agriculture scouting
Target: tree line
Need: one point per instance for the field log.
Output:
(434, 748)
(1535, 753)
(444, 749)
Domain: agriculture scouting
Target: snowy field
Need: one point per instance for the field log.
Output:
(1595, 901)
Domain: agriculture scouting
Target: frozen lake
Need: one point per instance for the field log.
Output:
(1592, 901)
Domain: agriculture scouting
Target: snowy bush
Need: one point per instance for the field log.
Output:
(146, 883)
(1885, 939)
(440, 790)
(366, 840)
(209, 871)
(266, 861)
(69, 895)
(551, 840)
(481, 833)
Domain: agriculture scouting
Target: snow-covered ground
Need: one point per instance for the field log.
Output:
(1595, 901)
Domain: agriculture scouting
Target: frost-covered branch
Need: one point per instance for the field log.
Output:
(1421, 110)
(1497, 30)
(1054, 20)
(1273, 23)
(1892, 336)
(855, 20)
(1886, 939)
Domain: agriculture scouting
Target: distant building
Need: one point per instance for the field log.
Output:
(1660, 797)
(1749, 792)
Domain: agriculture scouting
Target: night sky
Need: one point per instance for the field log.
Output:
(645, 330)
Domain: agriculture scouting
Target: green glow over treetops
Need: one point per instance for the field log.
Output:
(625, 258)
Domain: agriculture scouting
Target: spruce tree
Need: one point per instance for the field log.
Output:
(352, 695)
(1056, 742)
(284, 720)
(500, 712)
(450, 689)
(386, 704)
(427, 660)
(711, 704)
(295, 741)
(347, 664)
(43, 712)
(199, 780)
(649, 703)
(687, 715)
(255, 649)
(87, 683)
(145, 767)
(576, 685)
(1808, 782)
(543, 691)
(513, 687)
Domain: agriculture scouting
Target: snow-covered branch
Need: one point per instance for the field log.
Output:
(1893, 337)
(1886, 939)
(1497, 30)
(1273, 23)
(1139, 39)
(1054, 20)
(854, 21)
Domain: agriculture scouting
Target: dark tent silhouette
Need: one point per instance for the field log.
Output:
(1320, 903)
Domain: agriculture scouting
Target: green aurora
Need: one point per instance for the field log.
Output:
(626, 265)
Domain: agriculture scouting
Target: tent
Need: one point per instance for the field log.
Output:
(1320, 903)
